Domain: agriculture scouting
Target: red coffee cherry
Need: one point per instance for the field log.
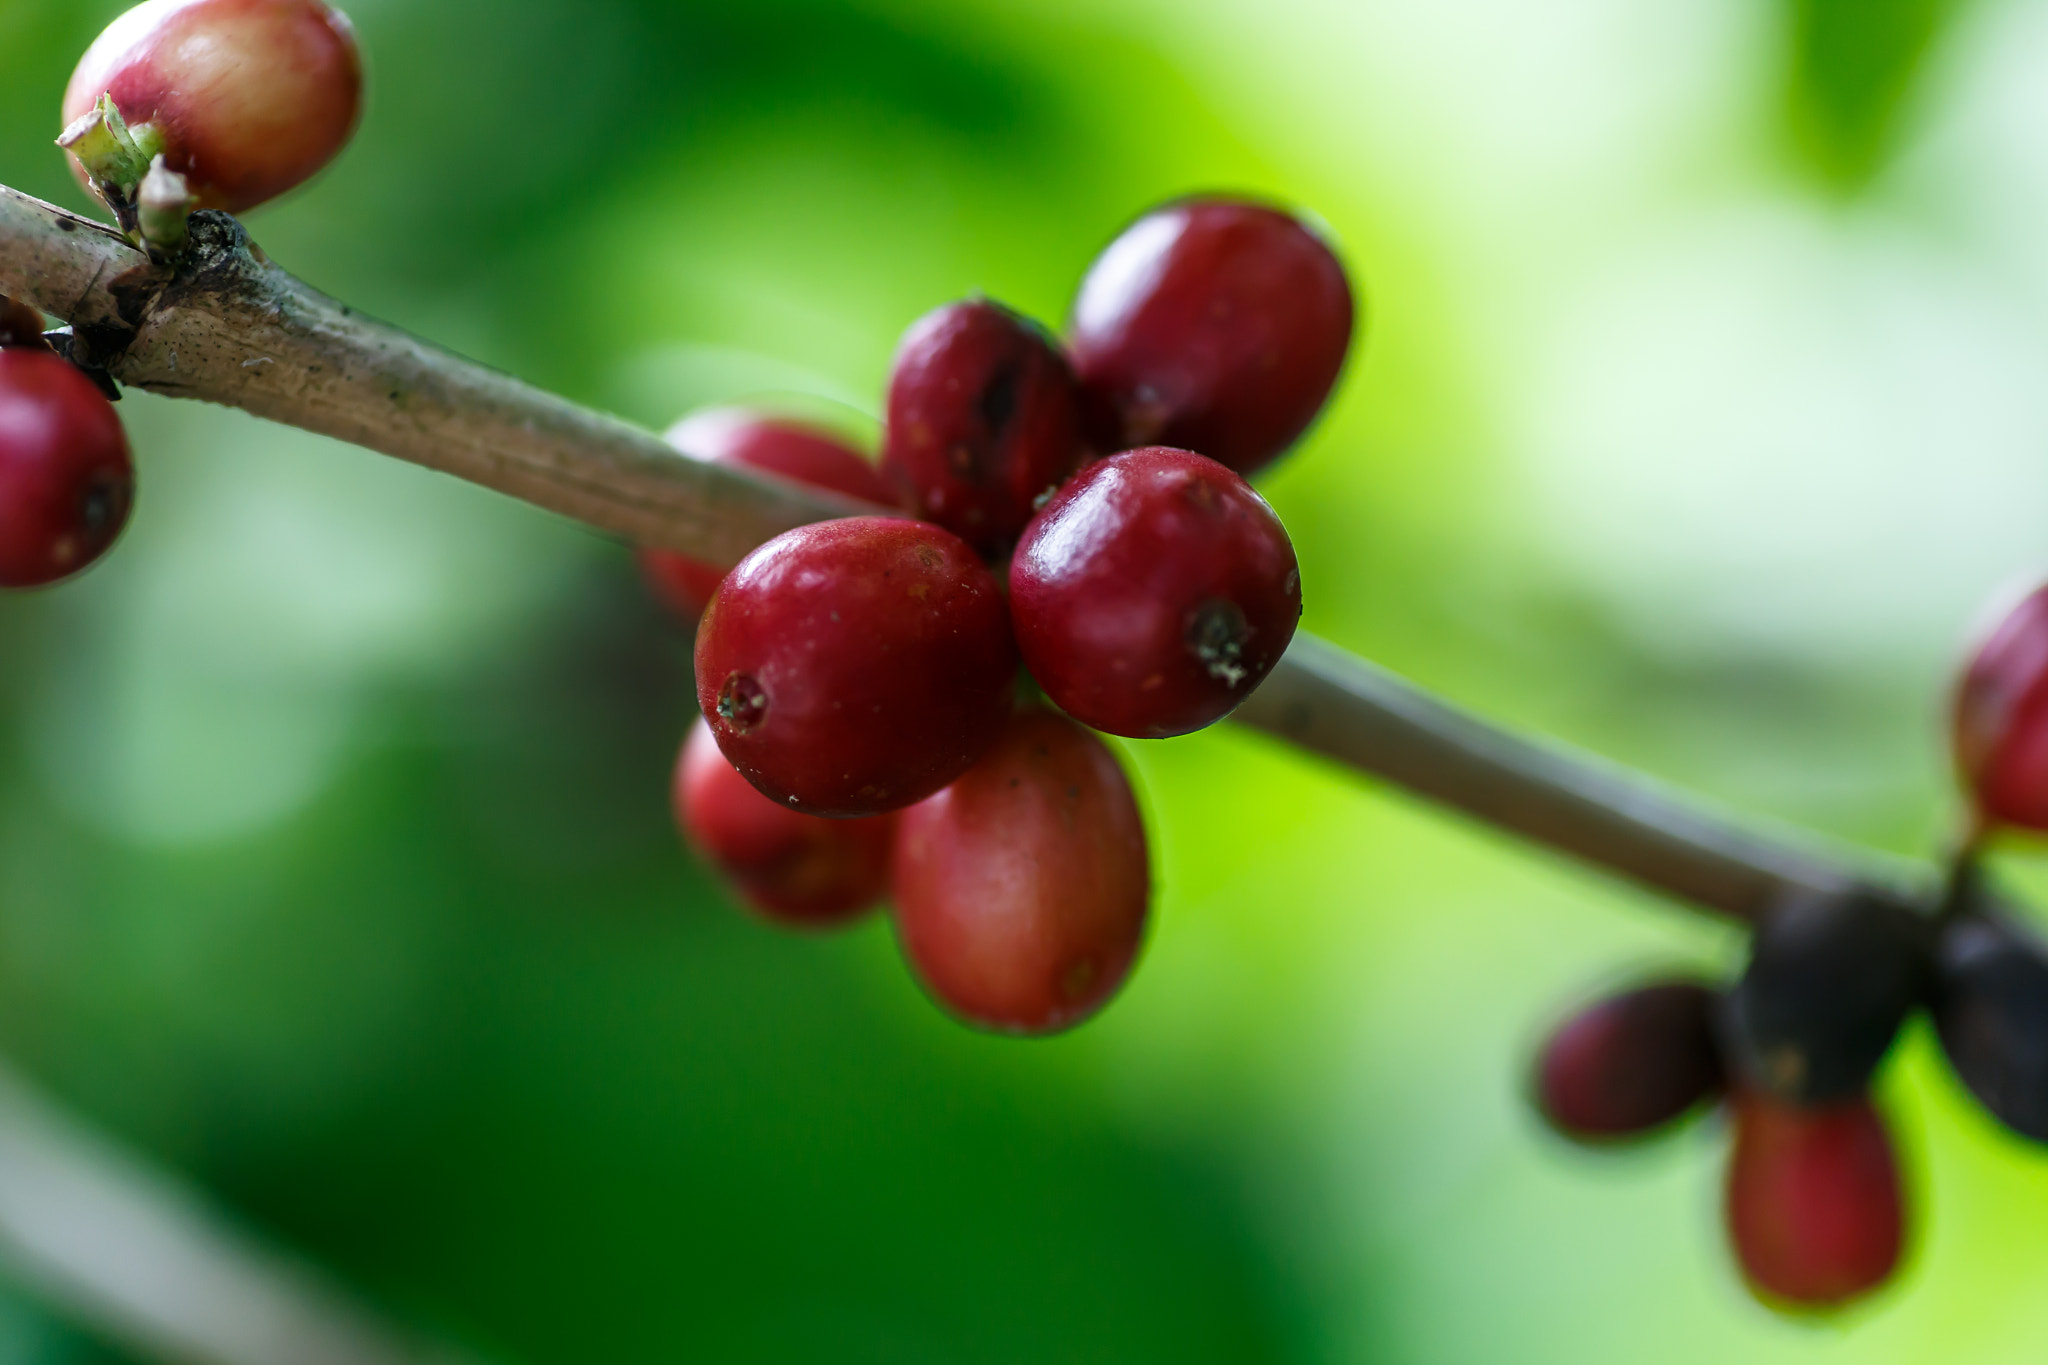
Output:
(852, 667)
(773, 445)
(1216, 325)
(1814, 1207)
(1631, 1063)
(797, 870)
(20, 325)
(2001, 718)
(66, 482)
(1021, 889)
(245, 98)
(984, 421)
(1153, 593)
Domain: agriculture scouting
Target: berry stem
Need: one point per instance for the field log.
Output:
(227, 326)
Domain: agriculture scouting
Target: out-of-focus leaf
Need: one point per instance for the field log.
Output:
(1855, 67)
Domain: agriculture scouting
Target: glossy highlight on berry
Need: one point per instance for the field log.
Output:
(1153, 593)
(66, 480)
(984, 421)
(245, 98)
(796, 870)
(852, 667)
(1021, 890)
(1216, 325)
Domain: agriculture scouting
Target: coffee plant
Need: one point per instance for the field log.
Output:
(901, 663)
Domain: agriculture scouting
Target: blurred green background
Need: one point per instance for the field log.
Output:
(1699, 409)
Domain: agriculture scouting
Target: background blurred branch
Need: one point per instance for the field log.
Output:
(232, 328)
(143, 1260)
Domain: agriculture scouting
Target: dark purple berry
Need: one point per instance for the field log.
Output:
(1991, 1007)
(1829, 981)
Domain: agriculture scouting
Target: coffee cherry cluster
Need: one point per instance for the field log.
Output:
(180, 104)
(860, 677)
(1814, 1206)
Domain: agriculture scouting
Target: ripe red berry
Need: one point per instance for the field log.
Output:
(66, 482)
(1216, 325)
(1814, 1207)
(1021, 889)
(1153, 593)
(1631, 1063)
(984, 421)
(795, 869)
(773, 445)
(20, 325)
(245, 98)
(852, 667)
(2001, 718)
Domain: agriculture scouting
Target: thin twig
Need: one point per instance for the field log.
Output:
(232, 328)
(144, 1260)
(1337, 704)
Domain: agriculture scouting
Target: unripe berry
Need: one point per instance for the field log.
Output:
(1814, 1208)
(795, 869)
(1021, 889)
(852, 667)
(66, 482)
(782, 446)
(984, 421)
(245, 98)
(1631, 1063)
(1215, 325)
(1829, 981)
(2001, 718)
(1991, 1007)
(1153, 593)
